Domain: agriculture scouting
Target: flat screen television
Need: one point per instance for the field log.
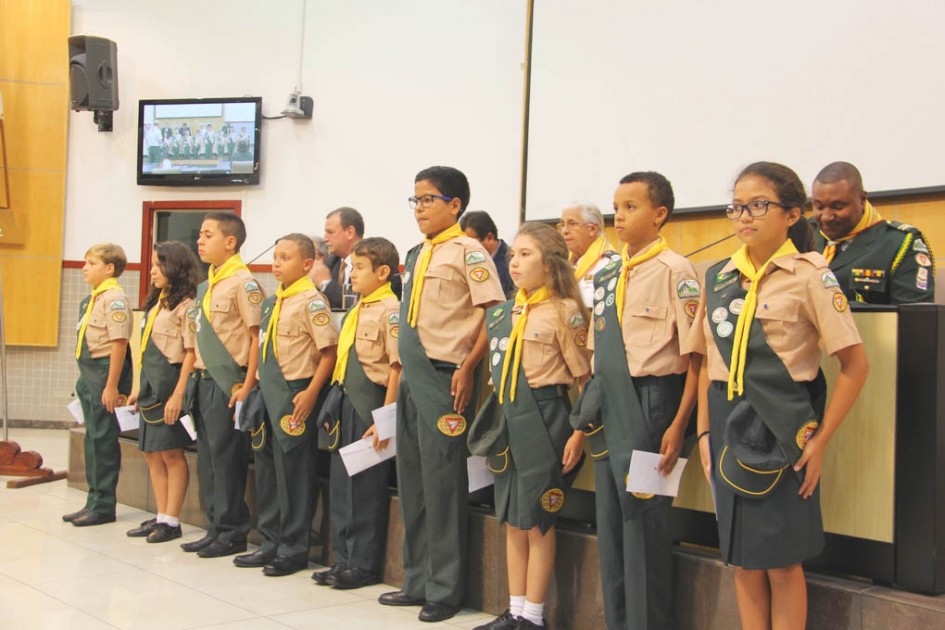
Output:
(199, 141)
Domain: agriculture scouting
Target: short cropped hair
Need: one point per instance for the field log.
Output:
(111, 254)
(349, 217)
(306, 246)
(449, 181)
(321, 249)
(379, 251)
(658, 188)
(230, 224)
(480, 222)
(841, 171)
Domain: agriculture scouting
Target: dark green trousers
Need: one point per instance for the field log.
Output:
(359, 505)
(102, 453)
(434, 498)
(222, 463)
(285, 491)
(636, 556)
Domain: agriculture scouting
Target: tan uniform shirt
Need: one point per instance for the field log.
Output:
(555, 350)
(798, 306)
(375, 340)
(235, 307)
(109, 321)
(659, 307)
(305, 328)
(460, 278)
(171, 332)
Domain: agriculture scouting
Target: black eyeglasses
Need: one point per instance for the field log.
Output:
(425, 201)
(756, 208)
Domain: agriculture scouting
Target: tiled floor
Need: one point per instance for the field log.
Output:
(53, 575)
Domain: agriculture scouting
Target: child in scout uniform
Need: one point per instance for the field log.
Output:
(449, 282)
(643, 308)
(763, 428)
(537, 350)
(366, 377)
(226, 317)
(104, 378)
(297, 356)
(166, 361)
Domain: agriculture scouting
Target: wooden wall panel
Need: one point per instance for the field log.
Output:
(34, 39)
(37, 208)
(31, 310)
(35, 116)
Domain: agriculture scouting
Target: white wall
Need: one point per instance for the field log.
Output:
(398, 86)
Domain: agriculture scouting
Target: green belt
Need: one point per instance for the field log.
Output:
(550, 392)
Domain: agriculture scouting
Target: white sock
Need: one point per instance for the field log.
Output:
(516, 604)
(534, 613)
(161, 518)
(173, 521)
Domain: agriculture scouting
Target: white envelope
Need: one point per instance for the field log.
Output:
(479, 474)
(188, 423)
(385, 419)
(237, 410)
(360, 455)
(75, 408)
(646, 479)
(127, 418)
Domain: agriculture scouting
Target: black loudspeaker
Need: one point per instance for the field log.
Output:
(93, 73)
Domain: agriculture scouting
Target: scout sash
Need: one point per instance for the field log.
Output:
(624, 423)
(538, 466)
(277, 392)
(93, 373)
(158, 381)
(364, 395)
(431, 401)
(221, 365)
(783, 406)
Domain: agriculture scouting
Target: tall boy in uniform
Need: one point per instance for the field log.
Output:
(643, 306)
(104, 378)
(226, 317)
(366, 377)
(449, 282)
(297, 356)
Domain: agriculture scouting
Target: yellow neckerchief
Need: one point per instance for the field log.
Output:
(111, 283)
(630, 263)
(589, 258)
(420, 269)
(870, 218)
(350, 327)
(302, 284)
(736, 371)
(214, 276)
(516, 339)
(152, 317)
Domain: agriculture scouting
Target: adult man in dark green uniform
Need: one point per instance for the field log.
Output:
(875, 261)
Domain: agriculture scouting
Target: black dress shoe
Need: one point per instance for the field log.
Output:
(197, 545)
(400, 598)
(163, 533)
(353, 577)
(218, 549)
(328, 576)
(142, 530)
(93, 518)
(525, 624)
(432, 611)
(505, 621)
(257, 559)
(284, 565)
(71, 516)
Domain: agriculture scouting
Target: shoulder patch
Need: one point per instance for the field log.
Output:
(829, 280)
(315, 305)
(688, 288)
(254, 297)
(119, 316)
(192, 311)
(473, 258)
(117, 305)
(251, 286)
(920, 246)
(479, 274)
(393, 319)
(577, 320)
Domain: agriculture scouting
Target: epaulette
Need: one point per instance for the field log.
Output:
(914, 241)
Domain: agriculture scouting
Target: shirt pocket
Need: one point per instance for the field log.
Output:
(643, 322)
(443, 284)
(167, 338)
(368, 344)
(778, 318)
(539, 352)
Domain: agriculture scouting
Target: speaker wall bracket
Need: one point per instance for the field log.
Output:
(103, 119)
